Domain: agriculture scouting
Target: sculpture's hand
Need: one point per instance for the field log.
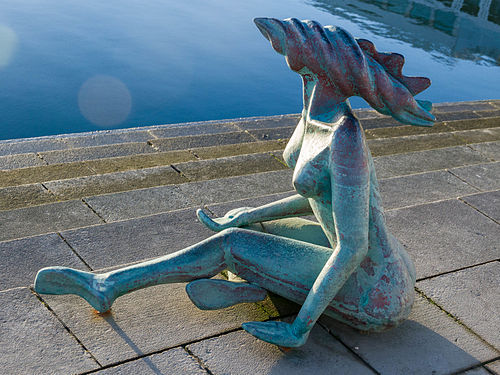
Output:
(278, 333)
(234, 218)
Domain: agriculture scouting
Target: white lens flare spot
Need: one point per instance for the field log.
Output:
(8, 44)
(104, 100)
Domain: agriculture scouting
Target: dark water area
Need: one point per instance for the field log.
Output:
(68, 66)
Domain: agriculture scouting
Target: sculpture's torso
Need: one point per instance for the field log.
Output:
(386, 277)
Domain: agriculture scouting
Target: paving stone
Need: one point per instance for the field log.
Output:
(482, 176)
(137, 239)
(481, 123)
(21, 259)
(141, 161)
(366, 113)
(33, 341)
(493, 113)
(235, 188)
(487, 203)
(205, 140)
(268, 122)
(428, 160)
(147, 321)
(380, 122)
(96, 152)
(445, 236)
(171, 362)
(494, 366)
(229, 166)
(52, 217)
(192, 129)
(114, 182)
(403, 130)
(478, 135)
(240, 353)
(238, 149)
(461, 115)
(23, 196)
(107, 137)
(141, 202)
(32, 145)
(428, 342)
(410, 143)
(44, 173)
(463, 106)
(272, 133)
(421, 188)
(472, 295)
(476, 371)
(488, 149)
(8, 162)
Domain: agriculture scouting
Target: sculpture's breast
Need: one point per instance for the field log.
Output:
(311, 177)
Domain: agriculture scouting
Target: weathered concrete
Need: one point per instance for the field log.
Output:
(429, 160)
(268, 122)
(182, 130)
(140, 202)
(239, 353)
(52, 217)
(33, 341)
(23, 196)
(487, 203)
(8, 162)
(494, 366)
(404, 130)
(410, 143)
(489, 149)
(21, 259)
(482, 176)
(147, 321)
(473, 296)
(114, 182)
(174, 361)
(234, 188)
(229, 166)
(421, 188)
(192, 141)
(465, 124)
(478, 135)
(96, 152)
(445, 236)
(132, 240)
(237, 149)
(272, 133)
(428, 342)
(480, 105)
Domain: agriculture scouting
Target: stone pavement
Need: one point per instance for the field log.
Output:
(97, 200)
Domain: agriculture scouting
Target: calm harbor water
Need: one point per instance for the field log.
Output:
(68, 66)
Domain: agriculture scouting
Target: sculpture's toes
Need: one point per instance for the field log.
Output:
(278, 333)
(62, 280)
(208, 294)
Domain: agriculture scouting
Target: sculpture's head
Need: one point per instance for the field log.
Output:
(332, 56)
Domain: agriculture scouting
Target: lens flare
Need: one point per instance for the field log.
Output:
(104, 100)
(8, 44)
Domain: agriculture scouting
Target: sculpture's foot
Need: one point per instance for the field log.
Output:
(208, 294)
(62, 280)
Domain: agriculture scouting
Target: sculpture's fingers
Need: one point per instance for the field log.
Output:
(278, 333)
(208, 221)
(410, 117)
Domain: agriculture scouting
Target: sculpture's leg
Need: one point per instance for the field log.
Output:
(279, 264)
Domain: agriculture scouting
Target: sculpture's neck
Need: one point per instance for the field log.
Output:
(322, 101)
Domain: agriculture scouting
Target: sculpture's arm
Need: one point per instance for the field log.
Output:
(350, 201)
(295, 205)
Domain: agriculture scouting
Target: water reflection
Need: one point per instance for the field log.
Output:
(467, 29)
(8, 44)
(104, 100)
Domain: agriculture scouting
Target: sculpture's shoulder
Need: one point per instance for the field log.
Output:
(349, 146)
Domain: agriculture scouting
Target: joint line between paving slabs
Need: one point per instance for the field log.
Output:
(481, 212)
(198, 360)
(194, 154)
(180, 172)
(94, 211)
(48, 190)
(461, 179)
(349, 348)
(74, 251)
(458, 321)
(41, 158)
(462, 371)
(458, 269)
(480, 153)
(65, 326)
(153, 146)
